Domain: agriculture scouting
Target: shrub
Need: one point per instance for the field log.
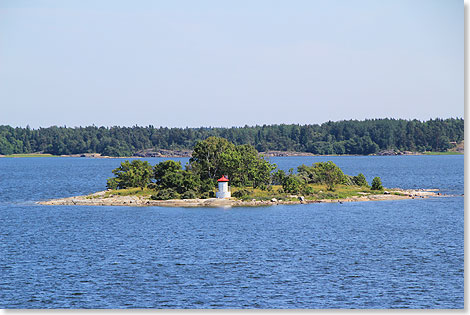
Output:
(360, 180)
(308, 174)
(328, 173)
(348, 180)
(165, 194)
(292, 184)
(241, 193)
(131, 174)
(278, 177)
(207, 194)
(190, 194)
(377, 184)
(152, 186)
(307, 190)
(112, 183)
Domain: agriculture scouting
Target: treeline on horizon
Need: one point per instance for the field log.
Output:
(342, 137)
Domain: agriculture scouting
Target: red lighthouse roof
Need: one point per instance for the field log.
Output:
(223, 179)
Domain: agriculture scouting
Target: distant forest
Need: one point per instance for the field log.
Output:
(342, 137)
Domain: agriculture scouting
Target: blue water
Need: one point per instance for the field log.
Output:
(387, 254)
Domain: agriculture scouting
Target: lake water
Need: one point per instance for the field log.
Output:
(385, 254)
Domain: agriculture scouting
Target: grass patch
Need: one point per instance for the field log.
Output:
(443, 153)
(146, 192)
(318, 192)
(399, 193)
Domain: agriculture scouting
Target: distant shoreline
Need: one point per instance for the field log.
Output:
(178, 154)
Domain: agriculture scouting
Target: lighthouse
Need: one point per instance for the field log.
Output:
(224, 191)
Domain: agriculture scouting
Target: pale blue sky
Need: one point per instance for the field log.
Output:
(229, 63)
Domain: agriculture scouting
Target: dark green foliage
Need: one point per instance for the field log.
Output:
(240, 193)
(360, 180)
(210, 158)
(342, 137)
(112, 183)
(189, 194)
(278, 177)
(293, 184)
(170, 175)
(329, 174)
(207, 194)
(348, 180)
(377, 184)
(165, 194)
(215, 157)
(308, 173)
(307, 190)
(164, 168)
(131, 174)
(245, 165)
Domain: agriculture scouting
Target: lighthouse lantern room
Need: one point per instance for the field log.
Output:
(224, 191)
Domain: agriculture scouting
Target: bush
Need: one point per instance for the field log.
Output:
(278, 177)
(152, 186)
(190, 194)
(165, 194)
(328, 195)
(241, 193)
(207, 194)
(292, 184)
(112, 183)
(377, 184)
(328, 173)
(360, 180)
(131, 174)
(307, 190)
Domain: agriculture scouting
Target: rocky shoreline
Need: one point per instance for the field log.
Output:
(187, 153)
(99, 199)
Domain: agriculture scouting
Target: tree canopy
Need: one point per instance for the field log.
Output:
(211, 159)
(245, 167)
(131, 174)
(342, 137)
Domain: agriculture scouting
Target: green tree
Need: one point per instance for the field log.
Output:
(360, 180)
(209, 157)
(377, 184)
(131, 174)
(308, 173)
(170, 175)
(293, 184)
(215, 157)
(329, 174)
(278, 177)
(164, 168)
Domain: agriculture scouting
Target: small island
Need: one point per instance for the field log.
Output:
(254, 181)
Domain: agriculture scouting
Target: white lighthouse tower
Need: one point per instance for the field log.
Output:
(224, 191)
